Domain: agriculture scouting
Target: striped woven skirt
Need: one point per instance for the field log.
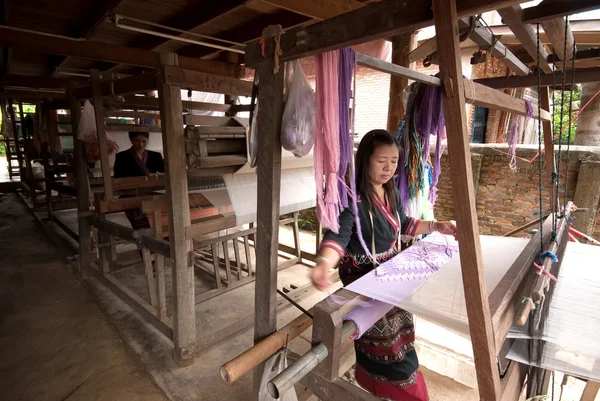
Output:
(386, 361)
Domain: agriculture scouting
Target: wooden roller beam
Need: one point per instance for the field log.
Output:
(201, 81)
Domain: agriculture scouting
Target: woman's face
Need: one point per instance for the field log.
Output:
(382, 165)
(139, 142)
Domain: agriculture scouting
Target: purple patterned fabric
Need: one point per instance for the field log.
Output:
(399, 277)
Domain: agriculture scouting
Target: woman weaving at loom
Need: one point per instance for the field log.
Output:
(137, 161)
(386, 361)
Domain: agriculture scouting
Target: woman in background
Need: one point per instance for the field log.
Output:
(137, 161)
(386, 361)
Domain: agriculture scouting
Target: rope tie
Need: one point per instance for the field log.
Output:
(546, 272)
(550, 255)
(530, 300)
(270, 32)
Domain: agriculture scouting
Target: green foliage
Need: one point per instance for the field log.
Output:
(563, 106)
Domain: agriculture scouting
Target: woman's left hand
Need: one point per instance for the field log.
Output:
(445, 227)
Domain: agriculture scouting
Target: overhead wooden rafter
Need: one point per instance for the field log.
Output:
(550, 9)
(89, 26)
(189, 19)
(394, 18)
(525, 34)
(555, 29)
(582, 75)
(317, 9)
(106, 52)
(485, 39)
(30, 81)
(250, 31)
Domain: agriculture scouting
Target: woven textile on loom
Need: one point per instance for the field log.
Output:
(572, 331)
(435, 292)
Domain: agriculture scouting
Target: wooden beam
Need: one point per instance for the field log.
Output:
(184, 324)
(31, 81)
(106, 52)
(132, 114)
(393, 18)
(401, 47)
(526, 35)
(475, 93)
(582, 75)
(100, 129)
(125, 86)
(590, 391)
(210, 226)
(150, 103)
(120, 205)
(25, 94)
(581, 38)
(317, 9)
(155, 181)
(484, 38)
(268, 173)
(580, 55)
(550, 9)
(478, 310)
(550, 165)
(555, 29)
(82, 187)
(132, 128)
(207, 83)
(424, 50)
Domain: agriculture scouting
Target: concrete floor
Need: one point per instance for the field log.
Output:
(55, 342)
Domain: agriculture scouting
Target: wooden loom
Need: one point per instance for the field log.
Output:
(489, 318)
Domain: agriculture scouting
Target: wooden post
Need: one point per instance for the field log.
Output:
(548, 147)
(478, 310)
(269, 185)
(590, 391)
(184, 315)
(103, 238)
(52, 128)
(402, 45)
(83, 203)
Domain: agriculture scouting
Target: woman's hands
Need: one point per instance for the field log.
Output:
(320, 276)
(445, 227)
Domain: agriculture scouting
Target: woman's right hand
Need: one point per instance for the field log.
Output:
(320, 276)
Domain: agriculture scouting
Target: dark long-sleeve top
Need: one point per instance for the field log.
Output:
(354, 261)
(127, 164)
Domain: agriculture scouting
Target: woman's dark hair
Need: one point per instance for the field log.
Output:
(371, 141)
(133, 134)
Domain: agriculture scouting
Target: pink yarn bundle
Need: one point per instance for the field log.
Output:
(327, 147)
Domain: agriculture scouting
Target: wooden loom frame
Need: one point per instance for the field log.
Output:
(484, 313)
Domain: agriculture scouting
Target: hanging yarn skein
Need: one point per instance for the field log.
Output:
(516, 130)
(327, 141)
(347, 69)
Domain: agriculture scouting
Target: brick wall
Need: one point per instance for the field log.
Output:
(507, 199)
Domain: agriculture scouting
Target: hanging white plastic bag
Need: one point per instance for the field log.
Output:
(274, 366)
(86, 131)
(298, 127)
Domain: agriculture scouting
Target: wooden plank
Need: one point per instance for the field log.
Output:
(206, 131)
(424, 50)
(108, 52)
(142, 102)
(555, 29)
(215, 259)
(557, 8)
(228, 237)
(141, 83)
(184, 323)
(82, 188)
(511, 16)
(478, 310)
(220, 161)
(238, 261)
(393, 18)
(151, 282)
(233, 145)
(31, 81)
(132, 128)
(227, 262)
(590, 391)
(132, 114)
(148, 312)
(159, 264)
(193, 119)
(248, 256)
(120, 205)
(478, 94)
(317, 9)
(153, 181)
(206, 82)
(211, 226)
(512, 382)
(268, 173)
(99, 114)
(582, 75)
